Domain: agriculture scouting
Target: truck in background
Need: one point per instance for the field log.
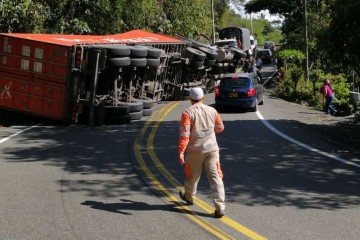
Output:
(104, 79)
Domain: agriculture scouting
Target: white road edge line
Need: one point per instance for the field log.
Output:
(17, 133)
(273, 129)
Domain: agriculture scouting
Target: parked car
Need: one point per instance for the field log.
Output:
(265, 55)
(239, 90)
(270, 45)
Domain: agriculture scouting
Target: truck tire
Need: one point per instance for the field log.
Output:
(147, 102)
(153, 62)
(197, 64)
(138, 51)
(135, 105)
(194, 54)
(147, 112)
(117, 110)
(210, 53)
(210, 62)
(138, 62)
(136, 115)
(117, 50)
(119, 62)
(154, 53)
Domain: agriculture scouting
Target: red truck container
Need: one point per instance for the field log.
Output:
(57, 76)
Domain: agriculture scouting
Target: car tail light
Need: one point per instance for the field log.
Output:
(251, 92)
(217, 92)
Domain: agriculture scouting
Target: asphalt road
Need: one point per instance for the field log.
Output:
(282, 180)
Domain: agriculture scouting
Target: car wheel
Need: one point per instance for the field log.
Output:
(262, 100)
(254, 109)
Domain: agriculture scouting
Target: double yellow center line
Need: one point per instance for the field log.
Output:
(156, 119)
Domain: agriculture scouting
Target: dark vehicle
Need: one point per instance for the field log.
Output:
(239, 90)
(242, 36)
(270, 45)
(265, 55)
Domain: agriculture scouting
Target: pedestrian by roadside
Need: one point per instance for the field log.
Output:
(255, 52)
(198, 149)
(281, 73)
(329, 97)
(258, 63)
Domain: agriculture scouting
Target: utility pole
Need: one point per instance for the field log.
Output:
(213, 21)
(306, 41)
(251, 25)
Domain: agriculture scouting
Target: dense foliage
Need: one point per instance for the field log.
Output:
(333, 26)
(333, 31)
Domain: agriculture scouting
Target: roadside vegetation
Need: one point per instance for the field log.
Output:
(333, 49)
(333, 32)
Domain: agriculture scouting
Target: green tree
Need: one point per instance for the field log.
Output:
(144, 14)
(22, 16)
(188, 17)
(85, 16)
(343, 35)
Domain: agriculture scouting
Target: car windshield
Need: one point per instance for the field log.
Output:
(235, 82)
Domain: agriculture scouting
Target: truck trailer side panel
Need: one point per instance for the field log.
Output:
(34, 77)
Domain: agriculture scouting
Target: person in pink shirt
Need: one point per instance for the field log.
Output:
(329, 96)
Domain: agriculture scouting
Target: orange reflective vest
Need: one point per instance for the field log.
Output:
(198, 126)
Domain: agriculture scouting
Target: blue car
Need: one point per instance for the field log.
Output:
(241, 90)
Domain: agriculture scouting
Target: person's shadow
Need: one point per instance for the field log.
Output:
(126, 206)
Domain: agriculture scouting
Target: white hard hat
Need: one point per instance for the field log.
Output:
(196, 93)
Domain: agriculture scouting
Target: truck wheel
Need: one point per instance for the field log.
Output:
(138, 51)
(135, 105)
(153, 62)
(210, 53)
(116, 110)
(147, 102)
(138, 62)
(147, 112)
(119, 62)
(154, 53)
(197, 64)
(195, 54)
(117, 50)
(136, 115)
(210, 62)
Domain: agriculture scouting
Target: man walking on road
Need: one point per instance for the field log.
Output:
(198, 126)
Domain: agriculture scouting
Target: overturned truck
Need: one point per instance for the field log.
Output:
(109, 79)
